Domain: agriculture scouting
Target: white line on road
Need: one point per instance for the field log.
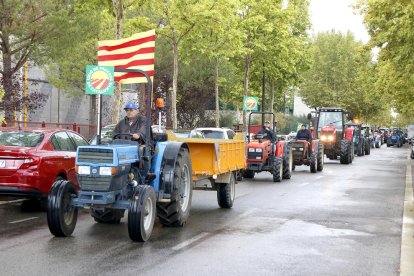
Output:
(190, 241)
(22, 220)
(11, 201)
(407, 237)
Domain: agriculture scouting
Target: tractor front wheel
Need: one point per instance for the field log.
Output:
(141, 213)
(287, 165)
(313, 163)
(278, 169)
(61, 215)
(320, 158)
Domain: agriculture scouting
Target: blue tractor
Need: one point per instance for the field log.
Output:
(395, 138)
(151, 179)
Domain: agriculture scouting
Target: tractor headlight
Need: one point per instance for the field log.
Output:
(330, 138)
(324, 138)
(83, 169)
(105, 171)
(251, 149)
(259, 150)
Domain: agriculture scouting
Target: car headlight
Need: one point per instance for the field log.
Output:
(259, 150)
(106, 170)
(83, 169)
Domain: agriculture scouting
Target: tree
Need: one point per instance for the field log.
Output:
(390, 27)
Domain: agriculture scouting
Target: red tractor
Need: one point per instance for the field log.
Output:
(334, 135)
(308, 153)
(267, 154)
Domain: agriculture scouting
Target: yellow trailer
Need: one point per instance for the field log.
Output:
(216, 164)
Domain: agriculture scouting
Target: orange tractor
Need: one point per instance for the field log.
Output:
(308, 153)
(266, 154)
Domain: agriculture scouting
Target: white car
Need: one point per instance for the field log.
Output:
(217, 132)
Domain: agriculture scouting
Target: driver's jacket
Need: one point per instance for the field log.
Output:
(304, 135)
(123, 126)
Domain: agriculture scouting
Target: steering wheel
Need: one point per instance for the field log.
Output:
(122, 134)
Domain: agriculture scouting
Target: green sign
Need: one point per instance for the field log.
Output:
(99, 80)
(250, 103)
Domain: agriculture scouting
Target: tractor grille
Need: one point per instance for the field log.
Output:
(254, 156)
(95, 155)
(89, 183)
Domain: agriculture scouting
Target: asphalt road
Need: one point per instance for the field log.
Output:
(345, 220)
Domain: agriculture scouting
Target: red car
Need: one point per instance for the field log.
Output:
(31, 159)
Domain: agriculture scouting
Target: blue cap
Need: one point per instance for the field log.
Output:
(131, 105)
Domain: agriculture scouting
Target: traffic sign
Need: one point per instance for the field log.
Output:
(99, 80)
(250, 103)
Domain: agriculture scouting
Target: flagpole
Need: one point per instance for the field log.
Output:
(98, 130)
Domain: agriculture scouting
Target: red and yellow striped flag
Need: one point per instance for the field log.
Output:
(135, 52)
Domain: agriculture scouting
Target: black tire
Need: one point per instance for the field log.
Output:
(345, 155)
(226, 193)
(107, 215)
(377, 145)
(360, 149)
(248, 174)
(287, 165)
(61, 215)
(412, 154)
(176, 212)
(293, 166)
(313, 163)
(320, 158)
(141, 213)
(388, 145)
(239, 175)
(367, 149)
(278, 169)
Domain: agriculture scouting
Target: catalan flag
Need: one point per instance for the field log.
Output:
(135, 52)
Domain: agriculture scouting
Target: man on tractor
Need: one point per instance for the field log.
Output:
(266, 131)
(304, 134)
(133, 124)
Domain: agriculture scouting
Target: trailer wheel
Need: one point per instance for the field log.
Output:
(226, 193)
(287, 165)
(176, 212)
(107, 215)
(313, 163)
(320, 158)
(61, 215)
(141, 213)
(278, 170)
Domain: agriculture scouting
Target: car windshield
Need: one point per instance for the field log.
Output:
(213, 134)
(21, 138)
(327, 118)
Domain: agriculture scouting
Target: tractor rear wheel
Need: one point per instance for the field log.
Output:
(107, 215)
(61, 215)
(320, 158)
(345, 154)
(313, 163)
(226, 192)
(278, 169)
(176, 212)
(287, 165)
(141, 213)
(367, 148)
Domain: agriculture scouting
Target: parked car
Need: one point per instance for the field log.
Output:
(217, 133)
(32, 159)
(188, 134)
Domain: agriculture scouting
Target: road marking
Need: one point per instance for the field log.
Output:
(11, 201)
(190, 241)
(22, 220)
(407, 236)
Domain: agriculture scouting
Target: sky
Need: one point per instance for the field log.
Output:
(337, 14)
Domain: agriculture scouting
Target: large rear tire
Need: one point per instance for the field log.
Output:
(320, 158)
(176, 212)
(345, 155)
(278, 169)
(107, 215)
(226, 193)
(141, 213)
(61, 215)
(313, 163)
(287, 165)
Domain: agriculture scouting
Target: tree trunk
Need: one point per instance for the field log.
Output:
(174, 90)
(246, 86)
(216, 88)
(8, 86)
(118, 6)
(272, 95)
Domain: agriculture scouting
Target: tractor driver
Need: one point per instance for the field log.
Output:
(266, 131)
(304, 134)
(133, 123)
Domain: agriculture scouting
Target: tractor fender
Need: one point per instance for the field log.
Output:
(281, 149)
(349, 133)
(163, 167)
